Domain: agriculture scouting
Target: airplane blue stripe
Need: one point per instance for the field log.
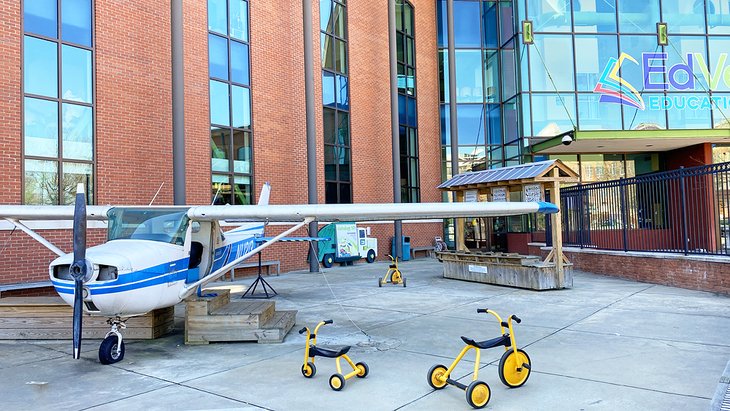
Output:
(180, 275)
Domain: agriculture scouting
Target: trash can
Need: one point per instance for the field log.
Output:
(406, 246)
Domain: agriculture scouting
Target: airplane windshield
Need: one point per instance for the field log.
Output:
(159, 224)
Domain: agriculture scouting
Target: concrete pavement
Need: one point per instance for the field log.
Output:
(606, 344)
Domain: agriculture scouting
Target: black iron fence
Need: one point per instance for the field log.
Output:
(685, 210)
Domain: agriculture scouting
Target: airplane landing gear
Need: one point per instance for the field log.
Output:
(111, 349)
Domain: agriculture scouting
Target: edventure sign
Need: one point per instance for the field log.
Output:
(681, 76)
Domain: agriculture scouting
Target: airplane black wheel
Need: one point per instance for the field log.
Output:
(328, 260)
(478, 394)
(371, 256)
(309, 370)
(363, 370)
(337, 382)
(108, 350)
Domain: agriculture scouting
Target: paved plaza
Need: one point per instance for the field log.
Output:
(606, 344)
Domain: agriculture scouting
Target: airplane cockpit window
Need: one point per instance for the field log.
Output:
(159, 224)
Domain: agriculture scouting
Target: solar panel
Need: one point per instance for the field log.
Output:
(519, 172)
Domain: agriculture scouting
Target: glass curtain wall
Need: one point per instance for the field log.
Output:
(231, 132)
(585, 51)
(58, 100)
(336, 101)
(487, 99)
(407, 107)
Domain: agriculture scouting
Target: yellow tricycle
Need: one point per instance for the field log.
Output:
(393, 275)
(514, 366)
(311, 350)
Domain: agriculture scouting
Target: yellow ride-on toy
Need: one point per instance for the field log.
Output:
(514, 366)
(393, 276)
(311, 350)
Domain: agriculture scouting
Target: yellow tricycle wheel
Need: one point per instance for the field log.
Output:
(437, 377)
(395, 278)
(478, 394)
(362, 370)
(337, 382)
(508, 368)
(308, 370)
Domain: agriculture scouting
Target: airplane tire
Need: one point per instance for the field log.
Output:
(108, 351)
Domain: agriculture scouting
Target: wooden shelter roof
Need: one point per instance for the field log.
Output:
(540, 171)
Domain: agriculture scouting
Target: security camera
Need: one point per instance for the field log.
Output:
(567, 140)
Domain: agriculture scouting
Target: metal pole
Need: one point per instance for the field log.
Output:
(454, 141)
(624, 213)
(683, 205)
(392, 53)
(178, 106)
(311, 129)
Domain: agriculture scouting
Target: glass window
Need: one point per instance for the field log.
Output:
(73, 174)
(445, 125)
(592, 54)
(239, 63)
(494, 122)
(719, 48)
(77, 132)
(40, 67)
(690, 111)
(219, 145)
(217, 16)
(330, 133)
(343, 129)
(242, 151)
(686, 59)
(241, 190)
(328, 51)
(467, 32)
(39, 17)
(510, 122)
(411, 81)
(491, 76)
(717, 17)
(444, 75)
(76, 74)
(549, 15)
(595, 16)
(526, 115)
(552, 56)
(411, 121)
(76, 21)
(407, 18)
(340, 56)
(328, 89)
(552, 114)
(221, 190)
(596, 115)
(41, 127)
(339, 21)
(219, 106)
(472, 158)
(469, 87)
(470, 124)
(241, 106)
(721, 110)
(218, 56)
(601, 167)
(490, 25)
(684, 16)
(342, 93)
(638, 16)
(325, 14)
(442, 23)
(41, 182)
(506, 21)
(509, 79)
(632, 71)
(239, 19)
(648, 119)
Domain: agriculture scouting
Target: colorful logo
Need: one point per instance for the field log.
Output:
(614, 89)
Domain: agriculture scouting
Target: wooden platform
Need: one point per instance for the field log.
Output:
(50, 318)
(216, 318)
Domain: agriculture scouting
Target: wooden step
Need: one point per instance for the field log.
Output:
(50, 318)
(249, 313)
(275, 330)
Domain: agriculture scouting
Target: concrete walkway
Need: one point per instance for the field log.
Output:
(606, 344)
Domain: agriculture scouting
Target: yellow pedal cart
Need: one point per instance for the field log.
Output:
(514, 366)
(311, 350)
(393, 275)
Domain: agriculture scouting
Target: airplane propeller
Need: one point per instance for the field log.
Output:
(80, 267)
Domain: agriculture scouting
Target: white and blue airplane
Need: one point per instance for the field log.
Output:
(156, 256)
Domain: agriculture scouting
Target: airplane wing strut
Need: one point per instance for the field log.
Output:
(36, 236)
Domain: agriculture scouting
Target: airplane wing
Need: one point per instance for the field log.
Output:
(367, 212)
(51, 212)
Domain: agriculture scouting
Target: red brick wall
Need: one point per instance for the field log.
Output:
(11, 93)
(691, 273)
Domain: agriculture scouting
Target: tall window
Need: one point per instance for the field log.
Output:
(407, 118)
(230, 102)
(58, 100)
(336, 101)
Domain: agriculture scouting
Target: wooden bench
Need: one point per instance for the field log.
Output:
(428, 250)
(267, 264)
(24, 286)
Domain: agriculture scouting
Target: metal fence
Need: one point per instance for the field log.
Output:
(685, 210)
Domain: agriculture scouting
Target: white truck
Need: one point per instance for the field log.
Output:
(346, 242)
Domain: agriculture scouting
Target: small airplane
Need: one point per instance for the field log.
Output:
(156, 256)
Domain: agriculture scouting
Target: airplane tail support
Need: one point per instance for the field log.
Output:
(265, 194)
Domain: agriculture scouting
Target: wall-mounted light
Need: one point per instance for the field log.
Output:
(527, 32)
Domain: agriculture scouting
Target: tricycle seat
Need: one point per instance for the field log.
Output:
(494, 342)
(329, 351)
